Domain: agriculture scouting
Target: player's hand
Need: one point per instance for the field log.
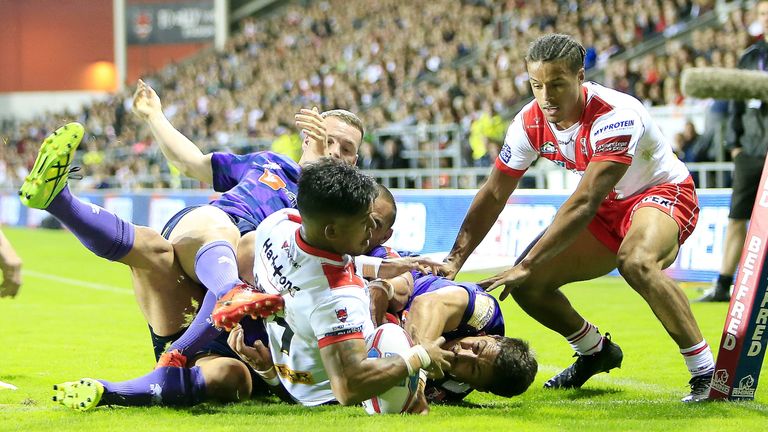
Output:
(379, 304)
(448, 269)
(11, 278)
(510, 279)
(312, 124)
(393, 267)
(256, 356)
(146, 102)
(439, 356)
(419, 403)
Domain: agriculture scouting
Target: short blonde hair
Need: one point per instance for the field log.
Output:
(347, 117)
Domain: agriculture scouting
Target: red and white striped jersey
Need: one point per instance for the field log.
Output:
(614, 127)
(325, 303)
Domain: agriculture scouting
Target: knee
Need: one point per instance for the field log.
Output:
(529, 293)
(226, 380)
(635, 264)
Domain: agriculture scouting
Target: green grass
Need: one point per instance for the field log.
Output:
(76, 316)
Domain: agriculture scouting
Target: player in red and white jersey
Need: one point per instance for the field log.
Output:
(317, 342)
(635, 205)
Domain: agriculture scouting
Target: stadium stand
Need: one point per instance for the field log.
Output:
(435, 82)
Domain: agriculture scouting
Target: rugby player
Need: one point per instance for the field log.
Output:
(633, 208)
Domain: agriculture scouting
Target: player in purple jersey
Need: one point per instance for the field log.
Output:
(205, 238)
(470, 320)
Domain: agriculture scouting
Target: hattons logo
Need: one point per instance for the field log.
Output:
(746, 388)
(719, 380)
(142, 25)
(341, 314)
(548, 148)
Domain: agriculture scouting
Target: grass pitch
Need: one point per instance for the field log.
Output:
(76, 317)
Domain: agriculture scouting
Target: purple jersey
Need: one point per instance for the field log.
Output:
(482, 316)
(254, 185)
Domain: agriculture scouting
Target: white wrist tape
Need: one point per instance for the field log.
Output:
(269, 376)
(368, 267)
(416, 358)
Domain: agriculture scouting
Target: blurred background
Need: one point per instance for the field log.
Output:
(435, 81)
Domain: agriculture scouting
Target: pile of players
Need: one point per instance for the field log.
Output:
(285, 272)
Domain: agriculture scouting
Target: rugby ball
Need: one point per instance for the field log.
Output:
(386, 341)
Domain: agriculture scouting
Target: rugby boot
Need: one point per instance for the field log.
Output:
(52, 166)
(588, 365)
(715, 294)
(173, 358)
(699, 388)
(79, 395)
(244, 300)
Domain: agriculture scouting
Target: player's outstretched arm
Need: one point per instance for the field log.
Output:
(355, 378)
(436, 312)
(10, 264)
(483, 212)
(178, 149)
(574, 215)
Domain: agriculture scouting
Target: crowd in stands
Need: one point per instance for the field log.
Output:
(397, 64)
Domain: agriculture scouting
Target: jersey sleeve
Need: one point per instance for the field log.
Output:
(339, 318)
(614, 136)
(517, 153)
(229, 169)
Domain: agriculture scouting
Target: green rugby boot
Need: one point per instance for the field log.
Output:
(49, 174)
(79, 395)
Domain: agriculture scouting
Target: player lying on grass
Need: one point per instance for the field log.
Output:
(321, 353)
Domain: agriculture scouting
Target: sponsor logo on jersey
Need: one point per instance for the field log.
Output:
(272, 165)
(505, 154)
(281, 282)
(272, 180)
(291, 197)
(292, 376)
(618, 144)
(341, 314)
(623, 124)
(548, 148)
(536, 125)
(583, 146)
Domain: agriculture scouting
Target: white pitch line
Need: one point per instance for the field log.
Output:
(77, 282)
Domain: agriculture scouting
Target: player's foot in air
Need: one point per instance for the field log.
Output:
(79, 395)
(51, 170)
(588, 365)
(699, 388)
(173, 358)
(244, 300)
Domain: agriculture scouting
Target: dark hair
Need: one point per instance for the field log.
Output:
(514, 368)
(387, 195)
(556, 46)
(330, 187)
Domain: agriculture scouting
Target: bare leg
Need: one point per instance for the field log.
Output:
(650, 246)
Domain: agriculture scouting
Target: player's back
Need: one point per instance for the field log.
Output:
(254, 185)
(325, 303)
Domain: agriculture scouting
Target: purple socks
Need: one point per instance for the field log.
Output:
(100, 231)
(216, 267)
(168, 386)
